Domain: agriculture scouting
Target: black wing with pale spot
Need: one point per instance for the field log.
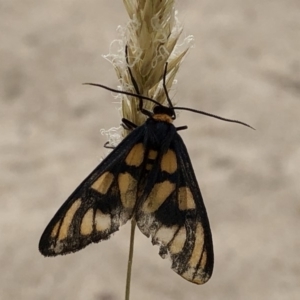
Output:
(172, 212)
(102, 202)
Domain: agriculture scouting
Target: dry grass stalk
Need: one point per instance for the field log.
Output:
(151, 36)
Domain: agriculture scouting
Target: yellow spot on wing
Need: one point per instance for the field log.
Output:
(55, 229)
(67, 220)
(136, 155)
(149, 167)
(178, 242)
(203, 260)
(169, 162)
(86, 226)
(128, 187)
(198, 247)
(152, 154)
(195, 272)
(102, 184)
(160, 192)
(102, 221)
(185, 199)
(165, 234)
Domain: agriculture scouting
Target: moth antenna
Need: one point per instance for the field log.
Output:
(213, 116)
(166, 91)
(135, 85)
(167, 95)
(123, 92)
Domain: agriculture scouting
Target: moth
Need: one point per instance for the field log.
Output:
(148, 177)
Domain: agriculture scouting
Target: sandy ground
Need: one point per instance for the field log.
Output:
(245, 65)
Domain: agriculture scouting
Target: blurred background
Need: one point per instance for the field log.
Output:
(245, 65)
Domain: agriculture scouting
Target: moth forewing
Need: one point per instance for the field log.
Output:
(100, 205)
(171, 208)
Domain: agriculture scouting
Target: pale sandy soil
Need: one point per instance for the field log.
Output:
(245, 65)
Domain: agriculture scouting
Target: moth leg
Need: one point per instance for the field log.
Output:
(128, 125)
(166, 91)
(181, 128)
(107, 146)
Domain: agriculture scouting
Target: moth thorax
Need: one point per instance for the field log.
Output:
(162, 118)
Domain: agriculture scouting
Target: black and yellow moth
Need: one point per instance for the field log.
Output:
(148, 177)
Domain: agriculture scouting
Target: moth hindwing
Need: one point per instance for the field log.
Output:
(149, 177)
